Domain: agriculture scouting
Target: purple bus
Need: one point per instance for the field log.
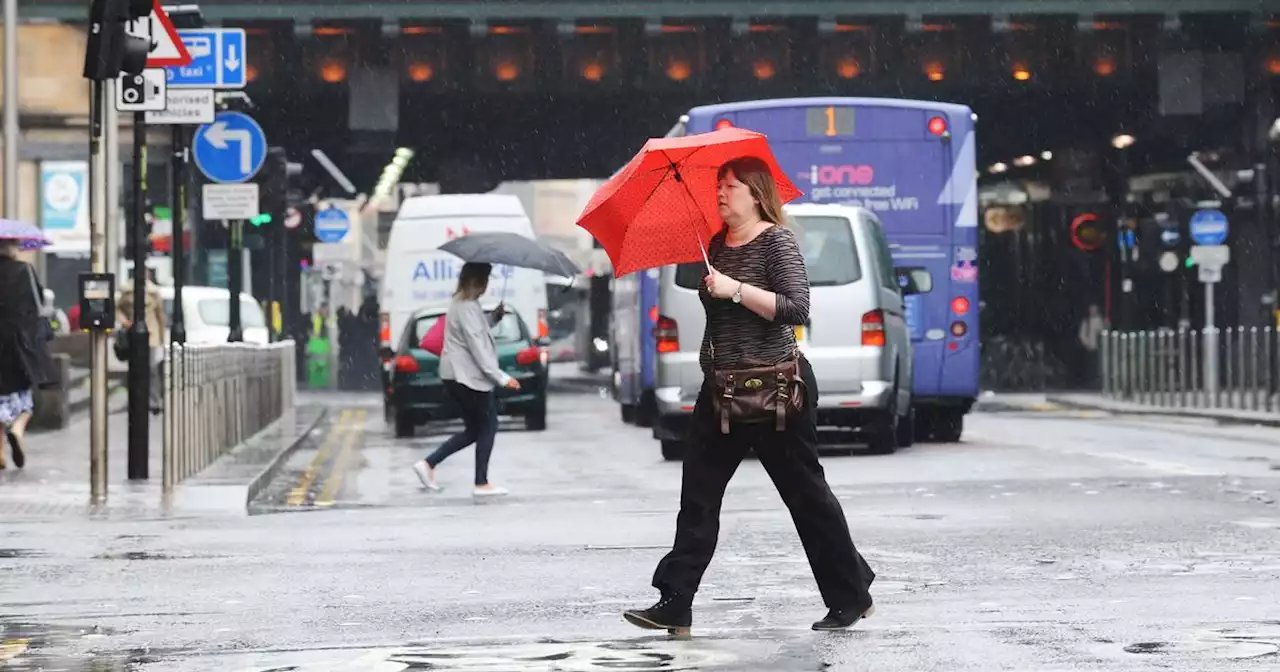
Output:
(912, 163)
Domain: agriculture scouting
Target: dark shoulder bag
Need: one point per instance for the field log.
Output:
(753, 395)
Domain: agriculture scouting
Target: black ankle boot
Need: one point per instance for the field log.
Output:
(839, 619)
(673, 613)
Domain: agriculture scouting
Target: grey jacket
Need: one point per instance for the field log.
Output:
(470, 356)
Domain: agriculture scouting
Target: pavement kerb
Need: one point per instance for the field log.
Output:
(273, 467)
(1220, 415)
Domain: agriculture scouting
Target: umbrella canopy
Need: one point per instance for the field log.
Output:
(661, 208)
(29, 237)
(511, 249)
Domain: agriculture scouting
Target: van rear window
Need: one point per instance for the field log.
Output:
(830, 254)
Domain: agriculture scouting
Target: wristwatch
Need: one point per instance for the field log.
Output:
(737, 296)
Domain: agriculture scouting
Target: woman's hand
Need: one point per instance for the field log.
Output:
(513, 384)
(720, 285)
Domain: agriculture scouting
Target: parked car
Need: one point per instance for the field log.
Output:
(415, 394)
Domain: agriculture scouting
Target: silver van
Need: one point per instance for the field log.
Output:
(856, 337)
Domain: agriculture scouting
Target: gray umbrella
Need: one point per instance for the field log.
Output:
(511, 249)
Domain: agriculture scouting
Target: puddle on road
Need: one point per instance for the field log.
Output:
(40, 647)
(1246, 641)
(17, 553)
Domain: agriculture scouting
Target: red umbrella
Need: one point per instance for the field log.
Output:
(661, 208)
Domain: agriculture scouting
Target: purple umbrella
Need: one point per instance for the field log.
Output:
(29, 237)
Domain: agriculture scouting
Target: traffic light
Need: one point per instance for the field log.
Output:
(110, 50)
(260, 219)
(1087, 233)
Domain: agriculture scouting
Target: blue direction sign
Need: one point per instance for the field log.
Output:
(217, 60)
(331, 225)
(231, 150)
(1209, 227)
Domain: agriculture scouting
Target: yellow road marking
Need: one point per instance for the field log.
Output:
(333, 485)
(10, 649)
(298, 495)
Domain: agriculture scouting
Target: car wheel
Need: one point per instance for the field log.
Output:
(907, 429)
(628, 413)
(536, 419)
(672, 450)
(405, 425)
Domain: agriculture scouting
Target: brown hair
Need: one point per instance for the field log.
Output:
(755, 173)
(473, 280)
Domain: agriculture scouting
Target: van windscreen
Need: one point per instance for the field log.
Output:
(830, 254)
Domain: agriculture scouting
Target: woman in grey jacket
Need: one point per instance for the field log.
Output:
(470, 371)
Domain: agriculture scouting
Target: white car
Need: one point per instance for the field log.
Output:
(207, 318)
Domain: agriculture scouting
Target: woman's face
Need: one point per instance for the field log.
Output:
(735, 200)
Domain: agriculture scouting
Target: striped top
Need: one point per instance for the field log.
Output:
(773, 262)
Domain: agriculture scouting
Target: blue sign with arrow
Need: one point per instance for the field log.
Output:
(331, 225)
(231, 150)
(1209, 227)
(217, 60)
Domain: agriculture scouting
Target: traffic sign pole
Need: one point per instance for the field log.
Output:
(140, 360)
(235, 280)
(177, 245)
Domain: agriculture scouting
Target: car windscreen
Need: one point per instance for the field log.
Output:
(217, 313)
(509, 330)
(830, 254)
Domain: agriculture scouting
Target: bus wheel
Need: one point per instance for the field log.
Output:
(949, 426)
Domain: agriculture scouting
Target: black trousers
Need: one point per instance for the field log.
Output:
(791, 459)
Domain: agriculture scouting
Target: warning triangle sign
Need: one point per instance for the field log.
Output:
(167, 49)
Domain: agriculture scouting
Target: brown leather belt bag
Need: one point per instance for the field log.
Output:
(758, 394)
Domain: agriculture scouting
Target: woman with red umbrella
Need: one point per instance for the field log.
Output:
(756, 290)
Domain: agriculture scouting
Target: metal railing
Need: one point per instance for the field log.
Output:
(1234, 368)
(217, 396)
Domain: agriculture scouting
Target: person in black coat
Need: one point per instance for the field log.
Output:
(25, 362)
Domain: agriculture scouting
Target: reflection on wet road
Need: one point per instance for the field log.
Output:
(1045, 541)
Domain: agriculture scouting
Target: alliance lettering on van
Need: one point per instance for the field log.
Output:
(853, 184)
(440, 278)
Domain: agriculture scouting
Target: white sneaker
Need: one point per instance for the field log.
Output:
(490, 490)
(425, 474)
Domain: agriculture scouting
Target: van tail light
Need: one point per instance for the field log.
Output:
(384, 329)
(406, 364)
(543, 330)
(959, 329)
(960, 305)
(529, 356)
(667, 333)
(873, 329)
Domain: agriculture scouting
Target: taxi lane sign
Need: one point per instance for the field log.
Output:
(217, 60)
(331, 225)
(185, 107)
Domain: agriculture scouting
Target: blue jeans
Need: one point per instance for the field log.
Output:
(480, 421)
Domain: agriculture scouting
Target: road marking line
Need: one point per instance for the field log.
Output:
(334, 483)
(10, 649)
(298, 495)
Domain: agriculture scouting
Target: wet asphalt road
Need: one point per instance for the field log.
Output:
(1048, 540)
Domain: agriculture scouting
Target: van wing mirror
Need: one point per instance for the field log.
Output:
(914, 280)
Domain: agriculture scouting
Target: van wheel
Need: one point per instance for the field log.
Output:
(405, 425)
(907, 429)
(647, 411)
(672, 450)
(628, 412)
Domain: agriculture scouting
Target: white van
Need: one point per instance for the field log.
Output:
(417, 273)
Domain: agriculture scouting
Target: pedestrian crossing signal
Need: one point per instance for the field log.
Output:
(259, 220)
